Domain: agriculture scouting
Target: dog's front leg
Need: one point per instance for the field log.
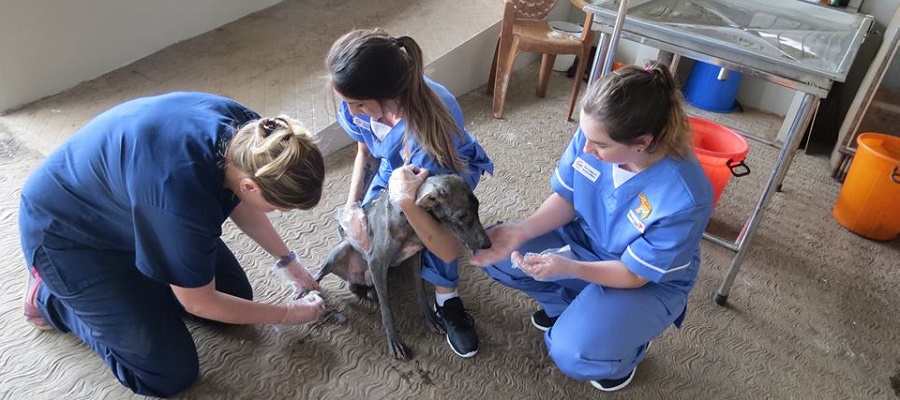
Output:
(379, 269)
(415, 264)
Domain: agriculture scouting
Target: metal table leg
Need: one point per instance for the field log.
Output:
(599, 58)
(785, 157)
(606, 49)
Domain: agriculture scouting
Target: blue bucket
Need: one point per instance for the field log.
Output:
(704, 90)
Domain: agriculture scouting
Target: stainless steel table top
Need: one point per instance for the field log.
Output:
(803, 42)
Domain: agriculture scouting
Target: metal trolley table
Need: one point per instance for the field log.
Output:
(796, 44)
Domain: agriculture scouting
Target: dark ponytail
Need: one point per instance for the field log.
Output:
(370, 64)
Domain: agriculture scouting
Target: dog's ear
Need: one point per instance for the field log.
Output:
(427, 201)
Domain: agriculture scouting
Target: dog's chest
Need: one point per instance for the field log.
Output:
(405, 241)
(407, 250)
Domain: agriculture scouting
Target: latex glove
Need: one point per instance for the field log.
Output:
(505, 238)
(356, 228)
(405, 182)
(296, 275)
(305, 309)
(546, 266)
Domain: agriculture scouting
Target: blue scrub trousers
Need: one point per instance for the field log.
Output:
(601, 333)
(132, 322)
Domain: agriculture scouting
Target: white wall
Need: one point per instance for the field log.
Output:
(47, 46)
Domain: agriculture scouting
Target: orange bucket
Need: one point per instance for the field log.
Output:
(721, 152)
(869, 202)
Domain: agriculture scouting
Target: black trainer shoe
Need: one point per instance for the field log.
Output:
(611, 385)
(542, 321)
(460, 327)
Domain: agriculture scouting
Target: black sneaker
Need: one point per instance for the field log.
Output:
(542, 321)
(611, 385)
(460, 327)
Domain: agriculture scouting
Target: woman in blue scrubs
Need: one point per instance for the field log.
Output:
(612, 254)
(402, 118)
(121, 228)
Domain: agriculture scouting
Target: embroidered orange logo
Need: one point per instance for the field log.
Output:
(645, 208)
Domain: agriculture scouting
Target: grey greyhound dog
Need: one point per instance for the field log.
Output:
(392, 243)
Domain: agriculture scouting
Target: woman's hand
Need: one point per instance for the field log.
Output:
(505, 238)
(545, 267)
(355, 225)
(404, 184)
(298, 277)
(305, 309)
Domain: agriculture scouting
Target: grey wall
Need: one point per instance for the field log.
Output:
(47, 46)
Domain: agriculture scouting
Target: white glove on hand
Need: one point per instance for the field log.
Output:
(295, 274)
(305, 309)
(548, 265)
(353, 221)
(405, 182)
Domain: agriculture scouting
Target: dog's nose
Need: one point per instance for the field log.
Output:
(486, 243)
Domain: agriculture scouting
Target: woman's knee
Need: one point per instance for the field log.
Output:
(569, 361)
(584, 353)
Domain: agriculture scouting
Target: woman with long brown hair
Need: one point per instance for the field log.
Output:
(407, 125)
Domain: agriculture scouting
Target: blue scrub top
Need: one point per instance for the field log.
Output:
(653, 222)
(390, 149)
(141, 184)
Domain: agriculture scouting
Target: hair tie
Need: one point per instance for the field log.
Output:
(269, 125)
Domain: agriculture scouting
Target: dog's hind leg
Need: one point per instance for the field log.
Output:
(338, 253)
(414, 263)
(379, 277)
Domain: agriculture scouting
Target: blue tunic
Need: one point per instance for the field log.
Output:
(390, 151)
(140, 184)
(653, 223)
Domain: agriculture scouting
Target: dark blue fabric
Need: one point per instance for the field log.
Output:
(140, 185)
(132, 322)
(131, 203)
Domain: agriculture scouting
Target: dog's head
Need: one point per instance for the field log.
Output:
(449, 199)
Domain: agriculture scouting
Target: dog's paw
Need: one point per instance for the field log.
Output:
(397, 348)
(433, 324)
(335, 317)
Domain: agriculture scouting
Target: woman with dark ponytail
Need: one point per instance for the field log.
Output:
(121, 227)
(612, 254)
(407, 126)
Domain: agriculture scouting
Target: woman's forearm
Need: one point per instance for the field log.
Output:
(365, 166)
(613, 273)
(433, 235)
(553, 213)
(256, 225)
(206, 302)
